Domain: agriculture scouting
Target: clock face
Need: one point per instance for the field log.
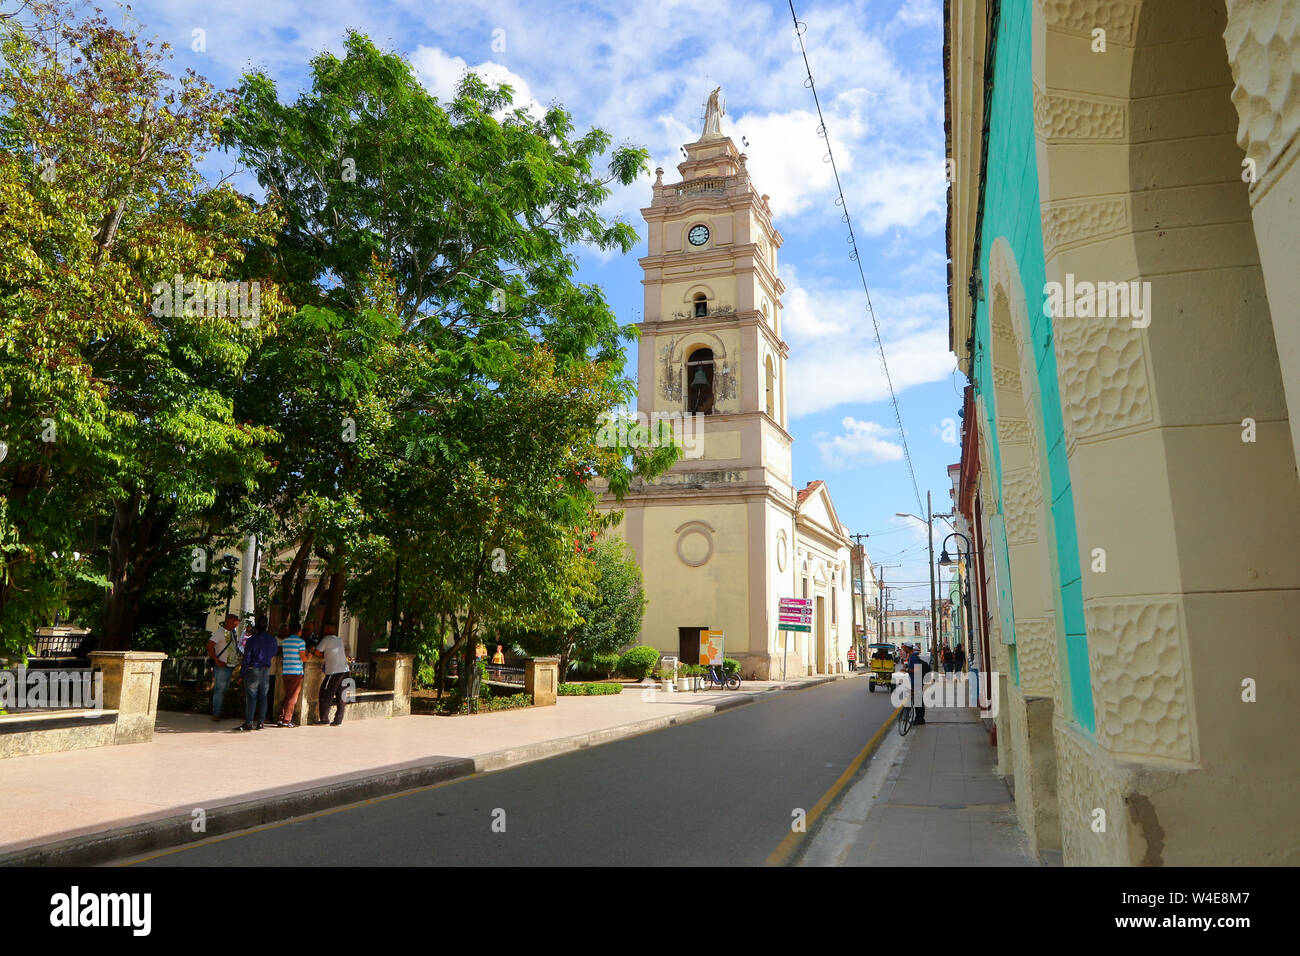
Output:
(698, 235)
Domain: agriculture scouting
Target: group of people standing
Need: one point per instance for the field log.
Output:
(954, 661)
(249, 657)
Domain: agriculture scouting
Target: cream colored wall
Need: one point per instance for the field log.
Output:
(719, 588)
(1139, 180)
(1258, 36)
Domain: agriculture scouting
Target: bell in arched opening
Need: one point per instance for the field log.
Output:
(699, 378)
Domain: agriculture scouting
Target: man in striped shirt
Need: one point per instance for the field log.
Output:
(293, 651)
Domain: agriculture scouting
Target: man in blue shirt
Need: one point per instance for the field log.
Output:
(259, 652)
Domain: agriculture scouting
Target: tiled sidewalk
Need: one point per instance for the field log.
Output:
(942, 803)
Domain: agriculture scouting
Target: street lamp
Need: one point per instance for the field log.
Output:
(229, 566)
(929, 540)
(947, 562)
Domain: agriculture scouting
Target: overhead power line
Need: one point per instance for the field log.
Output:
(800, 28)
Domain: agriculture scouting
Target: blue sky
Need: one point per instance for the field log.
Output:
(641, 70)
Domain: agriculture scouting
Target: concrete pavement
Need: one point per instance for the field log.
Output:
(92, 805)
(931, 798)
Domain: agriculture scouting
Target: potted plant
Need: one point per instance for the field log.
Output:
(684, 679)
(666, 678)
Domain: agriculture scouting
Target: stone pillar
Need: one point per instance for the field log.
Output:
(541, 680)
(131, 680)
(313, 675)
(393, 671)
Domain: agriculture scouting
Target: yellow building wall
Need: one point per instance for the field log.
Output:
(713, 595)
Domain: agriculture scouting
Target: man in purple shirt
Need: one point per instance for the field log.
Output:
(259, 652)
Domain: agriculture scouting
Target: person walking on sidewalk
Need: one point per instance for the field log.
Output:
(853, 659)
(959, 659)
(333, 688)
(224, 653)
(293, 651)
(917, 668)
(947, 661)
(259, 652)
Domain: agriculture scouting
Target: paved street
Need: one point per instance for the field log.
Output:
(719, 791)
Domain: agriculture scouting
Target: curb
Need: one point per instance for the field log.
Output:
(176, 831)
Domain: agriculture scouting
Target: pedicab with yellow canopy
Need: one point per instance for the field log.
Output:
(883, 657)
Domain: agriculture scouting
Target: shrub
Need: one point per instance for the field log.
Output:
(638, 662)
(730, 665)
(605, 664)
(589, 690)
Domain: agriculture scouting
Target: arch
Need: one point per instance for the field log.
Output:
(697, 289)
(1023, 553)
(693, 340)
(1024, 487)
(1140, 172)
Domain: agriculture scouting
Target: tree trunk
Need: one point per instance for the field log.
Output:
(334, 598)
(119, 615)
(470, 663)
(289, 595)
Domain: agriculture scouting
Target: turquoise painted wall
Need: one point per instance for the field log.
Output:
(1011, 210)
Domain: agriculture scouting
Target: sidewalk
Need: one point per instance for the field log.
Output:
(932, 798)
(94, 805)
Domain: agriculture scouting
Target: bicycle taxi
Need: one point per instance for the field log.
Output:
(883, 659)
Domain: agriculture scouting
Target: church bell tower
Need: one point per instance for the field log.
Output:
(714, 536)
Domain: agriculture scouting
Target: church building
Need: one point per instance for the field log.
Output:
(726, 534)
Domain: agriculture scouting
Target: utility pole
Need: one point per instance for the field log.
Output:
(929, 540)
(853, 599)
(882, 601)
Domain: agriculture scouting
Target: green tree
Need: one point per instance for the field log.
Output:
(472, 209)
(609, 616)
(127, 389)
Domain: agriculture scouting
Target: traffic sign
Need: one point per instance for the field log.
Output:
(806, 628)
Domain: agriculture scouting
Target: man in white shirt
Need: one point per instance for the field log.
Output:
(333, 690)
(224, 653)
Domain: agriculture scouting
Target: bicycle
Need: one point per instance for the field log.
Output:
(715, 676)
(906, 717)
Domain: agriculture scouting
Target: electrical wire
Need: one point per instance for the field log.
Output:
(800, 28)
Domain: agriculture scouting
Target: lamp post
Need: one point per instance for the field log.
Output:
(928, 520)
(229, 566)
(947, 562)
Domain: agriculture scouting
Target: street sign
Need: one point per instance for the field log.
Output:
(795, 614)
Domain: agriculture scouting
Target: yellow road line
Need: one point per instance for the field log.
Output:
(785, 852)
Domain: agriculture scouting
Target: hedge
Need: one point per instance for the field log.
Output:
(637, 663)
(589, 689)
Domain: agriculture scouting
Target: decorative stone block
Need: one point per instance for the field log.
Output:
(395, 672)
(542, 679)
(131, 681)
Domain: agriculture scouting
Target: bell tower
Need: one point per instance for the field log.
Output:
(715, 536)
(711, 338)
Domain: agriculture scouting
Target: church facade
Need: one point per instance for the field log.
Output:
(726, 534)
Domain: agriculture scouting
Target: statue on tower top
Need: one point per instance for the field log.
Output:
(713, 114)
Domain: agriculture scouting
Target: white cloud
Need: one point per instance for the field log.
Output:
(860, 443)
(441, 73)
(834, 359)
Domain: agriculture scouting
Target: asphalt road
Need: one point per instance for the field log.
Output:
(717, 791)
